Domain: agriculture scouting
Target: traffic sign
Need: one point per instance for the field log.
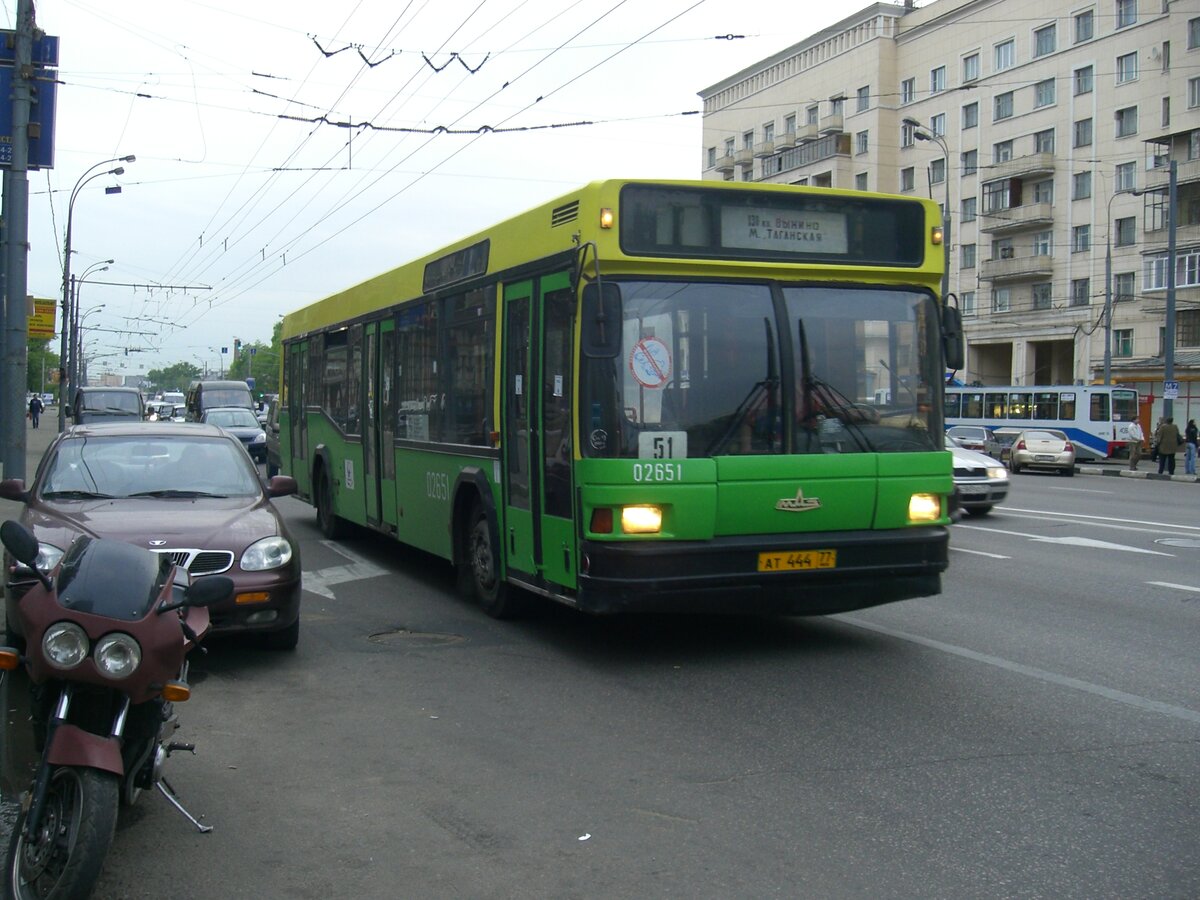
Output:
(1170, 390)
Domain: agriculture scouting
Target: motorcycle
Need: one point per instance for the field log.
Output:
(106, 652)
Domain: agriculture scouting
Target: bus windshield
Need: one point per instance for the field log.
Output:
(713, 369)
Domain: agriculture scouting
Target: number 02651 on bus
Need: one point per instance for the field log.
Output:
(797, 559)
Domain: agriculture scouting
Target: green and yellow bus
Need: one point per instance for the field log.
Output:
(646, 395)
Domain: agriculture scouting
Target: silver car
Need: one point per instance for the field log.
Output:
(980, 482)
(1042, 448)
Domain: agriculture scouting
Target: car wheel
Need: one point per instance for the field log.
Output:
(979, 511)
(1014, 468)
(1069, 471)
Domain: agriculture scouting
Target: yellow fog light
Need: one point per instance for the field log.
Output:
(937, 235)
(924, 507)
(641, 519)
(252, 597)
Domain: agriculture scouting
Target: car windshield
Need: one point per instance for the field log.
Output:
(110, 401)
(120, 466)
(231, 418)
(712, 369)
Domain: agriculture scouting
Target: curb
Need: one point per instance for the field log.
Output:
(1124, 472)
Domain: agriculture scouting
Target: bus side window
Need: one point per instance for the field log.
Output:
(953, 405)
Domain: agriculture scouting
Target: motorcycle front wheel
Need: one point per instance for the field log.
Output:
(65, 857)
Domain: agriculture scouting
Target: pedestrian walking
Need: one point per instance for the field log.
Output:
(1190, 439)
(35, 409)
(1136, 436)
(1169, 440)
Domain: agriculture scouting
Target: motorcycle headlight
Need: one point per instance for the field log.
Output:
(269, 553)
(65, 645)
(118, 655)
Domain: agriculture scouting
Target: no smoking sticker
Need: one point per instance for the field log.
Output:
(650, 363)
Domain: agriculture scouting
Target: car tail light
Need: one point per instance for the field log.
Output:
(1020, 445)
(1068, 447)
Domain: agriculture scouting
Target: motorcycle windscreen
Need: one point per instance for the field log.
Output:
(111, 578)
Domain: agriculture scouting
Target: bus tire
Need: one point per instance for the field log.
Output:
(479, 573)
(331, 525)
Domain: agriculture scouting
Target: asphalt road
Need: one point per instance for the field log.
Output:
(1032, 732)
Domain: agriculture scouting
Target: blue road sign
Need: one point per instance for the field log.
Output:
(41, 119)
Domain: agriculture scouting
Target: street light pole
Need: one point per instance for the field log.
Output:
(73, 366)
(1108, 291)
(922, 133)
(64, 360)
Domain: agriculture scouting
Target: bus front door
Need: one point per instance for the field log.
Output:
(538, 447)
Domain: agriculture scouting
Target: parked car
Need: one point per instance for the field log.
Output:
(106, 404)
(980, 482)
(1004, 439)
(243, 424)
(1042, 448)
(187, 491)
(972, 437)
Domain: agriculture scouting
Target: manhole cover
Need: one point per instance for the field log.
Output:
(1189, 543)
(414, 638)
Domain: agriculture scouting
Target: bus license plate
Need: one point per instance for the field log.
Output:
(796, 560)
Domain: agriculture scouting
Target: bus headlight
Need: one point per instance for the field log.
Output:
(118, 655)
(641, 519)
(65, 645)
(924, 507)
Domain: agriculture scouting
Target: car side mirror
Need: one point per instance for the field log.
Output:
(281, 486)
(14, 489)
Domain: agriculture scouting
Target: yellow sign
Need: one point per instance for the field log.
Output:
(41, 323)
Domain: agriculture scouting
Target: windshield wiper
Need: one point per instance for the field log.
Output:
(175, 492)
(769, 386)
(76, 495)
(834, 401)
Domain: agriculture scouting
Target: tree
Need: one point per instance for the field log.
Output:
(173, 378)
(41, 371)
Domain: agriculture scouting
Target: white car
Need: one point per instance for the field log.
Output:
(980, 482)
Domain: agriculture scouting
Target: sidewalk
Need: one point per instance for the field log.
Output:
(36, 442)
(1146, 470)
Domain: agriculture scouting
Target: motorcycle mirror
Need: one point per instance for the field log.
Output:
(20, 542)
(208, 590)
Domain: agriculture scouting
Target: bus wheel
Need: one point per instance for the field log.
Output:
(331, 525)
(480, 569)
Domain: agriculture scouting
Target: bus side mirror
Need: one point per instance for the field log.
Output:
(602, 321)
(952, 337)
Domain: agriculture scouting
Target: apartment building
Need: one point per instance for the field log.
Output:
(1046, 128)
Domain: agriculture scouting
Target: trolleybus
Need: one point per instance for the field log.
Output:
(684, 396)
(1095, 417)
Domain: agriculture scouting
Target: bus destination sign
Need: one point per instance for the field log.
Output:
(784, 231)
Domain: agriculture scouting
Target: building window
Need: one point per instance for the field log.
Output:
(1194, 144)
(712, 157)
(1193, 92)
(864, 98)
(1081, 185)
(969, 162)
(1043, 41)
(1126, 176)
(906, 136)
(998, 195)
(1003, 106)
(969, 206)
(1081, 238)
(966, 256)
(1001, 300)
(937, 124)
(970, 115)
(1127, 121)
(968, 303)
(1043, 93)
(1043, 191)
(937, 80)
(1123, 286)
(1126, 13)
(1082, 133)
(1081, 291)
(811, 114)
(1166, 110)
(1193, 36)
(789, 124)
(1043, 243)
(1124, 231)
(1042, 295)
(908, 90)
(937, 171)
(1002, 152)
(908, 178)
(1043, 141)
(1085, 26)
(1005, 55)
(1123, 342)
(748, 140)
(768, 132)
(971, 66)
(860, 181)
(1127, 68)
(1083, 80)
(837, 106)
(1187, 328)
(729, 142)
(862, 142)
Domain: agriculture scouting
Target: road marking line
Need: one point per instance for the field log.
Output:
(1046, 512)
(1072, 541)
(319, 581)
(1178, 587)
(979, 553)
(1143, 703)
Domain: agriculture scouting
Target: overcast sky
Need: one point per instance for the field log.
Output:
(242, 205)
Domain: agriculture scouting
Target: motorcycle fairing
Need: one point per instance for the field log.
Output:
(111, 578)
(72, 746)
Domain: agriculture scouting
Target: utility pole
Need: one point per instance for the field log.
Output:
(13, 373)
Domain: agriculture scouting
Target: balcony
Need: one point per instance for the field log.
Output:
(1002, 221)
(744, 158)
(725, 163)
(807, 133)
(785, 140)
(832, 124)
(764, 149)
(1021, 268)
(1159, 179)
(1019, 167)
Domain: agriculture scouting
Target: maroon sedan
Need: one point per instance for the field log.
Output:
(186, 490)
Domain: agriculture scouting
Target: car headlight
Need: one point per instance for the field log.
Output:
(65, 645)
(269, 553)
(997, 472)
(48, 556)
(259, 438)
(118, 655)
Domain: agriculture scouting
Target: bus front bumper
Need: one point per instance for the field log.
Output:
(722, 575)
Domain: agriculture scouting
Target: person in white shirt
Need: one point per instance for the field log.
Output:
(1136, 436)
